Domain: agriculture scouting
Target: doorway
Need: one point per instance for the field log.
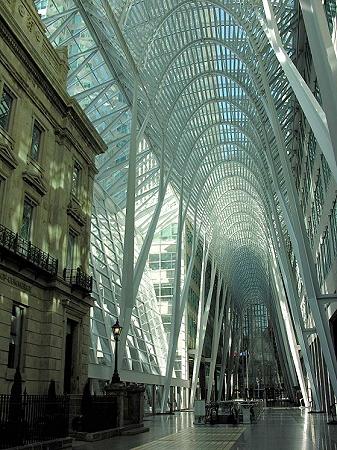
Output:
(69, 357)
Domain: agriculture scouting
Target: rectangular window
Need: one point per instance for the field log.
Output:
(333, 228)
(326, 253)
(36, 141)
(42, 4)
(6, 106)
(326, 172)
(319, 197)
(76, 180)
(311, 149)
(310, 232)
(314, 219)
(319, 268)
(2, 189)
(15, 338)
(306, 186)
(27, 219)
(71, 249)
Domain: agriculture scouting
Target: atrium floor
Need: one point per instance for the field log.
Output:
(277, 429)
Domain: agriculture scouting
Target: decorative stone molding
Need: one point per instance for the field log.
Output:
(34, 176)
(25, 15)
(38, 69)
(7, 150)
(75, 211)
(16, 47)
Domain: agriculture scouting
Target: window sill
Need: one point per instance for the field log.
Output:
(34, 176)
(75, 210)
(35, 165)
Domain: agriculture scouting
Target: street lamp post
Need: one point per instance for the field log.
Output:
(116, 331)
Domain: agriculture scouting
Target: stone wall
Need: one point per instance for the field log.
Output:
(35, 74)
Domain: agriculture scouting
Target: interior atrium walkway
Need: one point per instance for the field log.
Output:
(168, 219)
(277, 429)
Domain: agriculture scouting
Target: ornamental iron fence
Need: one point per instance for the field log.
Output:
(25, 419)
(14, 245)
(78, 279)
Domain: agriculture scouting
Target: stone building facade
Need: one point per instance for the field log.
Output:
(47, 169)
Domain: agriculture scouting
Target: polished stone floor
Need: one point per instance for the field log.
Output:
(277, 429)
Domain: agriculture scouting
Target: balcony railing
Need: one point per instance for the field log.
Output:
(14, 245)
(78, 279)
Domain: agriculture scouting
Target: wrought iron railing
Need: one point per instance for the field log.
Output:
(26, 419)
(15, 245)
(78, 279)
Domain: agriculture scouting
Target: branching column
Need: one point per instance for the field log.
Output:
(299, 325)
(297, 232)
(175, 326)
(203, 326)
(127, 294)
(219, 312)
(226, 346)
(286, 362)
(283, 313)
(295, 309)
(144, 252)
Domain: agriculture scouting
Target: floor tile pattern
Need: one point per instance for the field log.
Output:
(288, 429)
(277, 429)
(198, 438)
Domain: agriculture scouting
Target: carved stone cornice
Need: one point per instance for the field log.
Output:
(54, 92)
(7, 150)
(75, 211)
(32, 68)
(34, 176)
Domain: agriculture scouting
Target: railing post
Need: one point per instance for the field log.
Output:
(15, 244)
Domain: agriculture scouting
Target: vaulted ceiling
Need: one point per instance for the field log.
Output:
(209, 86)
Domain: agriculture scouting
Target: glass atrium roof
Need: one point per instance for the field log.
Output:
(210, 88)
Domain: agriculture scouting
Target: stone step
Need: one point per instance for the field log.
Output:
(130, 426)
(137, 430)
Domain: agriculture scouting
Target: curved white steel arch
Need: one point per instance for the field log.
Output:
(265, 140)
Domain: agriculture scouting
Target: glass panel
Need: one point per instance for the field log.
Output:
(326, 172)
(27, 218)
(36, 142)
(6, 104)
(2, 185)
(76, 178)
(71, 250)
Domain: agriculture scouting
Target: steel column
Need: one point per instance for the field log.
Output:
(175, 325)
(200, 342)
(127, 295)
(283, 313)
(216, 335)
(325, 61)
(311, 108)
